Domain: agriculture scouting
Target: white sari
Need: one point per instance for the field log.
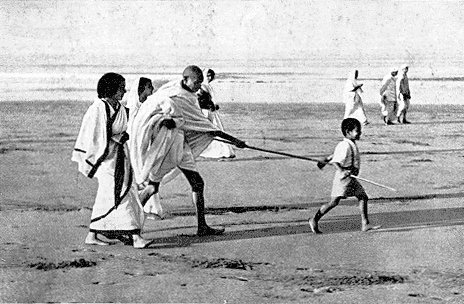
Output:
(99, 153)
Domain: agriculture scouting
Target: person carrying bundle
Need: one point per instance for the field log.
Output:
(169, 132)
(346, 160)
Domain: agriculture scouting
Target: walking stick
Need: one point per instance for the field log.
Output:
(307, 158)
(373, 183)
(270, 151)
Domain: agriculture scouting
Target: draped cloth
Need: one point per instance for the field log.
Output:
(216, 149)
(354, 106)
(100, 151)
(157, 151)
(132, 100)
(388, 100)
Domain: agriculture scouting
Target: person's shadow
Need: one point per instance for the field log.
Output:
(390, 221)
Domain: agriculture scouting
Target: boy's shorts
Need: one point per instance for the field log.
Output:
(347, 187)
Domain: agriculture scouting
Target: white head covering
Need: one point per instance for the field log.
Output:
(403, 66)
(132, 98)
(352, 82)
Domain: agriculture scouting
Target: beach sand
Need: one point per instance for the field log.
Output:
(267, 254)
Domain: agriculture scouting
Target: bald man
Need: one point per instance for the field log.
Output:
(169, 132)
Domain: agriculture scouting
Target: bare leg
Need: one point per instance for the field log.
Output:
(363, 209)
(197, 184)
(313, 222)
(365, 225)
(405, 121)
(203, 228)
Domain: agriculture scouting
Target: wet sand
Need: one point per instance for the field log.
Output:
(267, 254)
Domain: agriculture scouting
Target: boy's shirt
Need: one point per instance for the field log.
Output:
(346, 154)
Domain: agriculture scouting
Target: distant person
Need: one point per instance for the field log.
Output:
(354, 106)
(101, 151)
(207, 99)
(169, 132)
(404, 95)
(141, 88)
(347, 162)
(388, 97)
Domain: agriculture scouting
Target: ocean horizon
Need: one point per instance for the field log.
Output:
(259, 81)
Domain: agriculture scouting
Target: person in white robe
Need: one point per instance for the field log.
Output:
(101, 151)
(354, 106)
(141, 88)
(216, 149)
(404, 95)
(388, 97)
(169, 132)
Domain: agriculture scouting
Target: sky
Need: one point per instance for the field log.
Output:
(100, 32)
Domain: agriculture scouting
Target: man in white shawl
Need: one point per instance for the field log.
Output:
(169, 132)
(101, 151)
(216, 149)
(354, 106)
(388, 97)
(404, 95)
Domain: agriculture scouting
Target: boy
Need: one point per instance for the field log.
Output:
(347, 162)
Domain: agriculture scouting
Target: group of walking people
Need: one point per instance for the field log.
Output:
(131, 149)
(394, 97)
(132, 146)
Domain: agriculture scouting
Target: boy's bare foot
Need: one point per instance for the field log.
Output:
(206, 230)
(92, 239)
(369, 227)
(314, 226)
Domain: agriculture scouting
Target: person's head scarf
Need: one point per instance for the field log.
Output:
(132, 99)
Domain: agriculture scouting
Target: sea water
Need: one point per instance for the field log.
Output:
(314, 80)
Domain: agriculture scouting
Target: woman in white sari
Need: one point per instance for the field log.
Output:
(101, 151)
(354, 106)
(216, 149)
(140, 90)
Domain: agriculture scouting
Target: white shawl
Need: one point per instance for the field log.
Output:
(150, 145)
(92, 140)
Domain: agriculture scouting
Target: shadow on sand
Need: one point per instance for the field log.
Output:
(390, 221)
